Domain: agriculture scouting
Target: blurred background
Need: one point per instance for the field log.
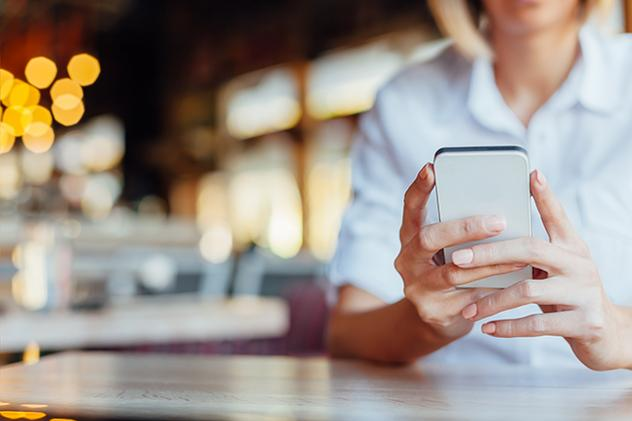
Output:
(173, 172)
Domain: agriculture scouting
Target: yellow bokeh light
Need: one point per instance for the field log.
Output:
(38, 137)
(40, 72)
(84, 69)
(31, 353)
(66, 87)
(6, 83)
(67, 101)
(36, 113)
(22, 94)
(16, 415)
(7, 138)
(13, 116)
(68, 117)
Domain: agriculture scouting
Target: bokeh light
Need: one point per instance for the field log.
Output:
(68, 117)
(6, 83)
(7, 137)
(104, 144)
(30, 356)
(38, 137)
(84, 69)
(63, 87)
(14, 115)
(101, 191)
(22, 94)
(268, 105)
(10, 179)
(40, 72)
(72, 187)
(16, 415)
(158, 272)
(216, 244)
(36, 113)
(23, 116)
(67, 152)
(37, 168)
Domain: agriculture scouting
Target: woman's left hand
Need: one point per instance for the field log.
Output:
(569, 291)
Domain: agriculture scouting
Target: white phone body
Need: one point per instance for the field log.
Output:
(486, 180)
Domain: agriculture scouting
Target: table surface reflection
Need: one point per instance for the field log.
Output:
(115, 386)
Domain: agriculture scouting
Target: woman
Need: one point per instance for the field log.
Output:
(541, 79)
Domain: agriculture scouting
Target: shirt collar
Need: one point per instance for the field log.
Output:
(597, 90)
(591, 86)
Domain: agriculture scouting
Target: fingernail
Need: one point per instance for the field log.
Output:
(423, 173)
(539, 177)
(462, 257)
(469, 311)
(495, 223)
(489, 328)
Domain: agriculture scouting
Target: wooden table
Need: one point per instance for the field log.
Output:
(147, 321)
(92, 385)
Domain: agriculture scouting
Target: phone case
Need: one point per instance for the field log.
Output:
(487, 180)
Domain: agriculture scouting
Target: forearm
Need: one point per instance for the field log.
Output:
(393, 333)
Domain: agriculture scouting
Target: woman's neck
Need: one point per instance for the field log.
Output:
(529, 68)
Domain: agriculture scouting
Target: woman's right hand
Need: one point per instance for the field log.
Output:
(432, 287)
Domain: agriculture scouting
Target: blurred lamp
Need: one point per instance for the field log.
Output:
(268, 105)
(84, 69)
(40, 72)
(345, 82)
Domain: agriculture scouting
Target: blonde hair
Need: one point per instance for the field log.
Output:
(463, 21)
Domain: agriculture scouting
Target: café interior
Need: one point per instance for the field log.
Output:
(173, 173)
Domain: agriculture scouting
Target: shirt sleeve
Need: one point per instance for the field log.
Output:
(368, 242)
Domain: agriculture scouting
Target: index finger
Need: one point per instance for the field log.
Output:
(554, 219)
(525, 250)
(415, 200)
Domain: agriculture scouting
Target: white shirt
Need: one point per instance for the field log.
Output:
(581, 139)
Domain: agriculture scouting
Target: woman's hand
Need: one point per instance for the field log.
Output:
(569, 292)
(430, 287)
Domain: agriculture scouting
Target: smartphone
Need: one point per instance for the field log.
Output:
(485, 180)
